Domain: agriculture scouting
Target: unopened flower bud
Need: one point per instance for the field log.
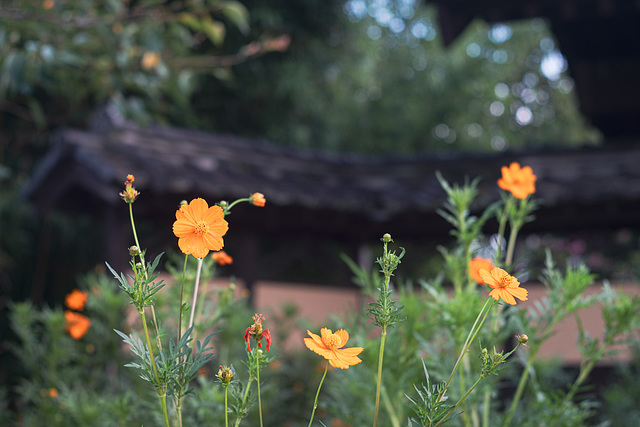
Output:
(134, 250)
(183, 202)
(386, 238)
(522, 338)
(225, 374)
(223, 204)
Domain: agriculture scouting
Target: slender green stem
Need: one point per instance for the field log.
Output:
(386, 400)
(146, 334)
(184, 273)
(487, 407)
(195, 292)
(472, 334)
(460, 401)
(226, 411)
(163, 395)
(520, 389)
(379, 381)
(258, 385)
(142, 261)
(512, 244)
(165, 412)
(232, 204)
(315, 402)
(502, 227)
(244, 399)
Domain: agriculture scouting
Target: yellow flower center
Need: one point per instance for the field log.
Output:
(201, 227)
(508, 281)
(333, 341)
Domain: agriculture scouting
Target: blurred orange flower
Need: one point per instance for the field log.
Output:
(257, 199)
(77, 324)
(519, 181)
(76, 299)
(150, 60)
(476, 265)
(329, 346)
(504, 285)
(199, 228)
(222, 258)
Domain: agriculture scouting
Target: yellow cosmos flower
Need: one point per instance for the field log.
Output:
(504, 285)
(329, 346)
(199, 228)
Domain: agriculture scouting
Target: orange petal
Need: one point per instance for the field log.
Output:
(520, 293)
(316, 339)
(316, 348)
(212, 241)
(199, 208)
(344, 336)
(344, 360)
(182, 228)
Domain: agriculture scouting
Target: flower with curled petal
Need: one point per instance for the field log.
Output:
(504, 285)
(330, 346)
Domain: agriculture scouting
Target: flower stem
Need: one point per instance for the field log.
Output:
(226, 413)
(135, 239)
(472, 335)
(195, 293)
(163, 395)
(244, 399)
(315, 403)
(184, 273)
(163, 402)
(379, 381)
(258, 384)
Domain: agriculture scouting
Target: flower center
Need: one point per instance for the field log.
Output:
(508, 281)
(333, 341)
(202, 227)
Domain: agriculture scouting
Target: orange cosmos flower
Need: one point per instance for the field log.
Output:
(199, 228)
(222, 258)
(476, 265)
(504, 285)
(519, 181)
(77, 324)
(329, 346)
(76, 300)
(257, 199)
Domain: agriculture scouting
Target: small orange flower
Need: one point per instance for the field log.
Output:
(474, 268)
(519, 181)
(53, 393)
(76, 299)
(329, 346)
(129, 194)
(150, 60)
(222, 258)
(77, 324)
(199, 228)
(257, 199)
(504, 285)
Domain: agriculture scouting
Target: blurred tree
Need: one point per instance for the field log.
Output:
(378, 79)
(60, 59)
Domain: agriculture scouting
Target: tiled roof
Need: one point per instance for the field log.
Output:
(181, 162)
